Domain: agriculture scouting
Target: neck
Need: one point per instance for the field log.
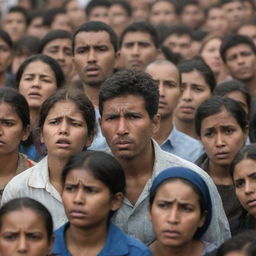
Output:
(191, 248)
(186, 127)
(56, 166)
(250, 85)
(86, 239)
(2, 79)
(93, 94)
(164, 130)
(34, 116)
(220, 174)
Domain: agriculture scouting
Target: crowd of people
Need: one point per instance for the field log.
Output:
(128, 127)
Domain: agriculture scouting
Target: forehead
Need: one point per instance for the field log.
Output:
(59, 41)
(247, 29)
(92, 38)
(238, 48)
(14, 15)
(163, 71)
(133, 36)
(178, 38)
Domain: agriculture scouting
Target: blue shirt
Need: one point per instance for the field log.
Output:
(117, 244)
(183, 145)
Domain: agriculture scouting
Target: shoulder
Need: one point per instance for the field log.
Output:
(59, 246)
(136, 247)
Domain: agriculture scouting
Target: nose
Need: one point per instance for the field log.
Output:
(79, 199)
(173, 216)
(135, 49)
(161, 89)
(249, 188)
(60, 55)
(122, 127)
(36, 82)
(186, 94)
(220, 141)
(91, 56)
(64, 127)
(22, 244)
(240, 60)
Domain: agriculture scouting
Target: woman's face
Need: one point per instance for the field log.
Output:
(23, 232)
(211, 55)
(222, 137)
(87, 200)
(65, 130)
(176, 213)
(37, 83)
(11, 130)
(5, 56)
(245, 184)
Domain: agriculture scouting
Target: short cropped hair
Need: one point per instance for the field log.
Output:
(234, 40)
(96, 26)
(141, 26)
(131, 82)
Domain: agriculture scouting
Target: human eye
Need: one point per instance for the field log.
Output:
(54, 121)
(91, 190)
(128, 45)
(28, 78)
(8, 123)
(229, 130)
(34, 236)
(208, 133)
(144, 44)
(163, 204)
(239, 183)
(170, 84)
(111, 117)
(197, 88)
(68, 52)
(102, 48)
(69, 188)
(80, 50)
(10, 236)
(186, 207)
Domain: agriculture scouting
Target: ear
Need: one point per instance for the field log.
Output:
(117, 201)
(89, 140)
(155, 124)
(117, 59)
(26, 132)
(202, 219)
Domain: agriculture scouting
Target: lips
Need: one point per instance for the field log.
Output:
(135, 63)
(187, 109)
(92, 70)
(34, 94)
(63, 143)
(2, 143)
(78, 214)
(251, 203)
(222, 155)
(171, 234)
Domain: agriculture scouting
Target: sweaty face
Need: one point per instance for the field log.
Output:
(194, 90)
(127, 126)
(87, 200)
(60, 49)
(179, 44)
(164, 13)
(37, 83)
(94, 57)
(245, 184)
(175, 214)
(137, 51)
(23, 232)
(241, 62)
(222, 137)
(65, 130)
(168, 80)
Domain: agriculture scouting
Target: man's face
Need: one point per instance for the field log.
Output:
(248, 30)
(192, 16)
(179, 44)
(94, 57)
(99, 13)
(127, 127)
(234, 12)
(168, 80)
(137, 51)
(241, 62)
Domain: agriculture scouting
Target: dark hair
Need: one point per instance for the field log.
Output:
(51, 14)
(171, 2)
(247, 152)
(199, 35)
(252, 128)
(183, 4)
(179, 30)
(233, 85)
(21, 10)
(80, 99)
(35, 14)
(29, 203)
(141, 26)
(223, 2)
(18, 103)
(124, 4)
(7, 39)
(96, 3)
(217, 104)
(53, 35)
(240, 242)
(53, 64)
(102, 166)
(132, 82)
(234, 40)
(96, 26)
(198, 64)
(27, 45)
